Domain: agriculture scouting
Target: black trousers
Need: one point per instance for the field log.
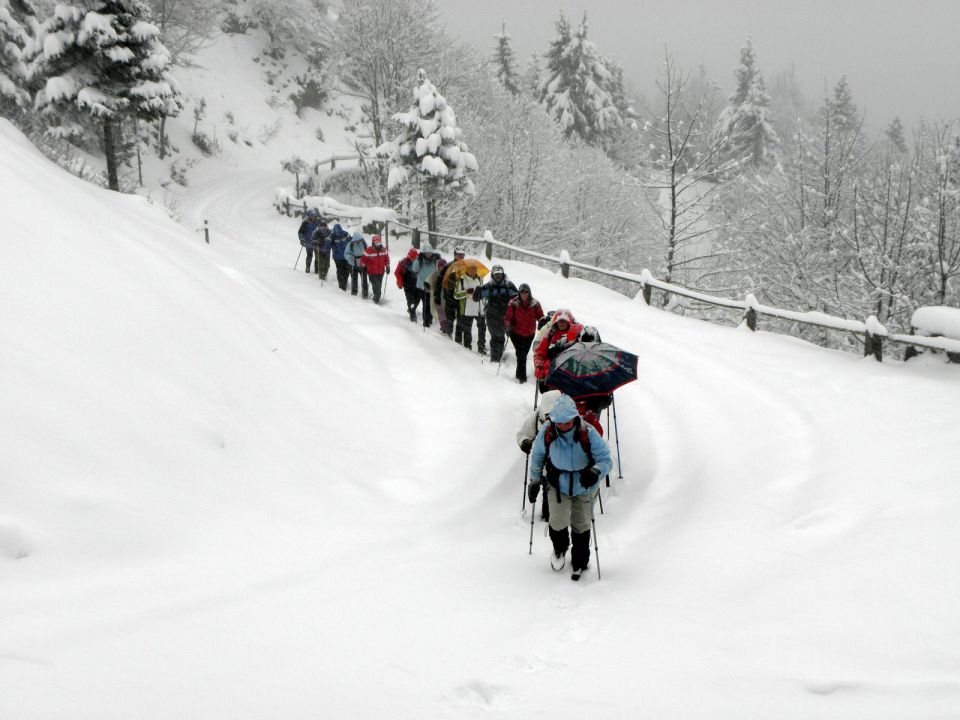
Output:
(343, 273)
(355, 273)
(413, 300)
(377, 282)
(498, 336)
(323, 263)
(521, 343)
(427, 312)
(465, 330)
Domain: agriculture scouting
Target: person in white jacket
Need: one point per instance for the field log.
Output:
(469, 309)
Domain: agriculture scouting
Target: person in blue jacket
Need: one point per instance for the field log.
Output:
(340, 237)
(305, 232)
(572, 457)
(355, 249)
(426, 266)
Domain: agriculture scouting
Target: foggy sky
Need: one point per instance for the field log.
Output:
(900, 58)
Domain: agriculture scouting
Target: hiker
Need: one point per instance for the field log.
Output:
(322, 245)
(353, 253)
(427, 266)
(433, 287)
(525, 437)
(562, 332)
(375, 262)
(406, 275)
(339, 239)
(498, 293)
(451, 306)
(572, 457)
(520, 323)
(305, 232)
(469, 308)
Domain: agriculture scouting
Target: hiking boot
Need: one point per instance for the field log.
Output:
(482, 350)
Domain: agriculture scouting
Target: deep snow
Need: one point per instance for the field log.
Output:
(229, 492)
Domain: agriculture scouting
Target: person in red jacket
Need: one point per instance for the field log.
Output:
(406, 276)
(375, 262)
(562, 332)
(520, 323)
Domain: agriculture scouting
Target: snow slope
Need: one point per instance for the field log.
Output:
(229, 492)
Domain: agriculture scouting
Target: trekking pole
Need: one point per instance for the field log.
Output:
(616, 430)
(596, 550)
(298, 258)
(533, 515)
(536, 392)
(608, 435)
(526, 472)
(600, 498)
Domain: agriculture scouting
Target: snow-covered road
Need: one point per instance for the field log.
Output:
(271, 499)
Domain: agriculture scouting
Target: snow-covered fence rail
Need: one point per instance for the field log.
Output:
(871, 330)
(286, 202)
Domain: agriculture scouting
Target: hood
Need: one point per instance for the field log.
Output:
(547, 401)
(426, 250)
(562, 314)
(337, 229)
(412, 254)
(564, 410)
(358, 236)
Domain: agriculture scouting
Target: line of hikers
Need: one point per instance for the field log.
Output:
(563, 437)
(455, 296)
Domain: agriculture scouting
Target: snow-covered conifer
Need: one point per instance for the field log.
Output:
(744, 125)
(17, 21)
(576, 90)
(895, 135)
(504, 60)
(429, 150)
(533, 76)
(102, 59)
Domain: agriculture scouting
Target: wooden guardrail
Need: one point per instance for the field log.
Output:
(871, 330)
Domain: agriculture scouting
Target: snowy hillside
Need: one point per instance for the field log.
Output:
(229, 492)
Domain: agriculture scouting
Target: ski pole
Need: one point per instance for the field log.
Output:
(533, 515)
(616, 430)
(608, 435)
(536, 392)
(600, 498)
(526, 472)
(596, 549)
(298, 258)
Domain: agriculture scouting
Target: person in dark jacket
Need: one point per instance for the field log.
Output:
(339, 239)
(520, 323)
(406, 276)
(322, 246)
(309, 225)
(427, 263)
(497, 293)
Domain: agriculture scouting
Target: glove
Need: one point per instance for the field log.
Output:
(558, 347)
(589, 477)
(526, 444)
(533, 489)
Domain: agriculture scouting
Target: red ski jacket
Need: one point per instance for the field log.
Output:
(541, 361)
(375, 261)
(522, 319)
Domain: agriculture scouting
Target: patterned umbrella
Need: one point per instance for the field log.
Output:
(587, 369)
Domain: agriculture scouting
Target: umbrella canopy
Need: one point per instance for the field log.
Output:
(459, 267)
(587, 369)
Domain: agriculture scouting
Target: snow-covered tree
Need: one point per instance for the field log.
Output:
(938, 144)
(505, 63)
(532, 77)
(576, 89)
(300, 24)
(186, 26)
(17, 22)
(744, 125)
(102, 60)
(895, 135)
(428, 151)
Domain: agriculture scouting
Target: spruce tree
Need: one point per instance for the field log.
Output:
(744, 125)
(576, 92)
(895, 135)
(533, 76)
(504, 60)
(17, 19)
(429, 151)
(102, 59)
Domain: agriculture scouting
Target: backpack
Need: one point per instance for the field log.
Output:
(549, 435)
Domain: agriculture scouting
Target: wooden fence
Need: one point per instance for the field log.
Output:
(872, 332)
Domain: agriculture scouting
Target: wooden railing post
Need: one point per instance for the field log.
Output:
(873, 345)
(386, 235)
(286, 202)
(565, 263)
(206, 232)
(488, 245)
(751, 317)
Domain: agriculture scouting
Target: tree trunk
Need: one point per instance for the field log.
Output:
(162, 140)
(432, 221)
(110, 150)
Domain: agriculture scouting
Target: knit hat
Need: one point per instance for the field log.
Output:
(375, 240)
(524, 288)
(412, 254)
(498, 270)
(459, 251)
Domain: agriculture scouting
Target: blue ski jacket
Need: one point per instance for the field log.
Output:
(566, 453)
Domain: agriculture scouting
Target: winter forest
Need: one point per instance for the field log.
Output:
(756, 189)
